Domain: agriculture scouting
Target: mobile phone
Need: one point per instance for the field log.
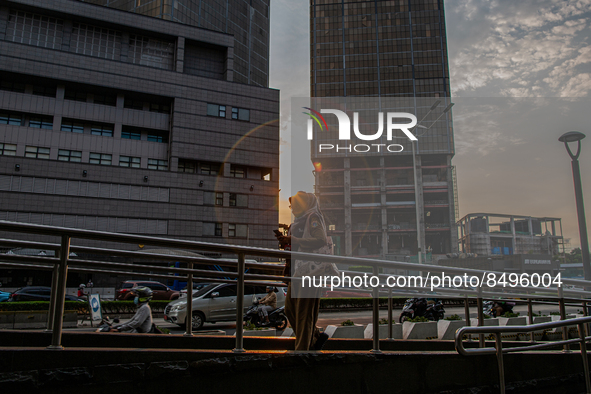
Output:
(278, 233)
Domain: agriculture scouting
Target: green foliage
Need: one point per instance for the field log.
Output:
(574, 257)
(250, 326)
(487, 317)
(383, 321)
(454, 317)
(555, 313)
(418, 319)
(510, 314)
(347, 323)
(108, 307)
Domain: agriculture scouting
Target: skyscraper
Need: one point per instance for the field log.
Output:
(246, 20)
(390, 50)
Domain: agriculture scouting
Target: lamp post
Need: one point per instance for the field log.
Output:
(575, 136)
(416, 180)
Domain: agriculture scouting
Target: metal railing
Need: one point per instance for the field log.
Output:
(498, 350)
(61, 263)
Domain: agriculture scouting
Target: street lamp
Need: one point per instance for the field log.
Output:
(414, 166)
(575, 136)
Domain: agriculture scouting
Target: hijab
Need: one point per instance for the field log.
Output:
(310, 205)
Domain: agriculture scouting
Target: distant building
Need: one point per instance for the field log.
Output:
(490, 234)
(393, 50)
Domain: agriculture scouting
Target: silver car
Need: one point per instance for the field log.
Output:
(214, 303)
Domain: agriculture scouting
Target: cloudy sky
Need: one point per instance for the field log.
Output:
(520, 77)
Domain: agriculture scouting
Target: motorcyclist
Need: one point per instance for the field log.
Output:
(81, 294)
(142, 320)
(267, 304)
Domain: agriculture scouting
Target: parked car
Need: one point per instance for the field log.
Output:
(37, 293)
(196, 288)
(214, 303)
(159, 290)
(4, 296)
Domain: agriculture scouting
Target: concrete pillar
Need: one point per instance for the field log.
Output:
(347, 198)
(180, 54)
(513, 238)
(383, 209)
(421, 204)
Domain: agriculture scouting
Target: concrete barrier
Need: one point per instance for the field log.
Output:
(355, 331)
(34, 319)
(288, 332)
(267, 332)
(396, 331)
(446, 329)
(423, 330)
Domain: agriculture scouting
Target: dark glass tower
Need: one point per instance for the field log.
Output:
(246, 20)
(388, 50)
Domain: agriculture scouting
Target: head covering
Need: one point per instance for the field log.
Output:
(310, 205)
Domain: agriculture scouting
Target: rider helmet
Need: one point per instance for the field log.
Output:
(144, 294)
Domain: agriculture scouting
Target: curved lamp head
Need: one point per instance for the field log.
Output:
(571, 136)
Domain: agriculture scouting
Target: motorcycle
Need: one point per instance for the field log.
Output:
(497, 308)
(415, 307)
(277, 316)
(106, 325)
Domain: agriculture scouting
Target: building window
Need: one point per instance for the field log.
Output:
(12, 86)
(32, 29)
(133, 104)
(151, 52)
(130, 135)
(187, 166)
(154, 164)
(7, 149)
(74, 95)
(105, 99)
(104, 130)
(212, 229)
(237, 230)
(241, 114)
(69, 155)
(216, 110)
(160, 108)
(238, 200)
(219, 199)
(41, 122)
(95, 41)
(100, 158)
(156, 136)
(47, 91)
(127, 161)
(266, 174)
(72, 126)
(209, 169)
(237, 171)
(11, 118)
(36, 152)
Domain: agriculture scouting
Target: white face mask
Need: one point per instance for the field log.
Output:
(136, 300)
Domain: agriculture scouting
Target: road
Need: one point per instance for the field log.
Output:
(364, 317)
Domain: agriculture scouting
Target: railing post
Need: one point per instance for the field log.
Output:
(56, 337)
(499, 346)
(585, 314)
(376, 315)
(584, 355)
(566, 347)
(480, 318)
(189, 325)
(240, 304)
(53, 297)
(390, 305)
(467, 310)
(530, 312)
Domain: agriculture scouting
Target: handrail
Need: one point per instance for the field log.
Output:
(62, 262)
(498, 349)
